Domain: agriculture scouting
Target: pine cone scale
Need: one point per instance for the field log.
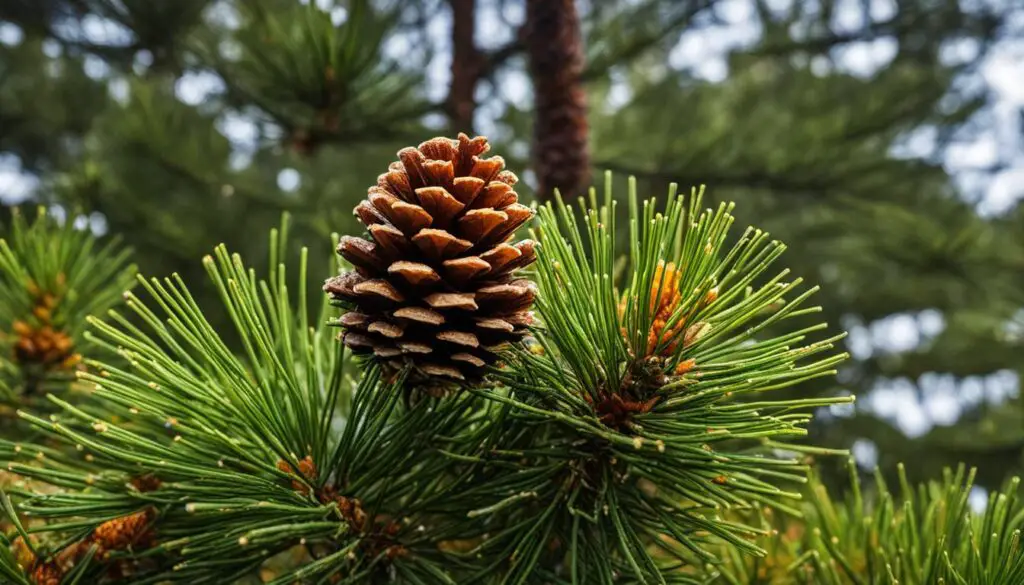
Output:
(433, 287)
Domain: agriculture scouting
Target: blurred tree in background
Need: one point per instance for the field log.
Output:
(180, 124)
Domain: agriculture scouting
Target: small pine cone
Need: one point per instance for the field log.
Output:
(43, 346)
(47, 574)
(121, 533)
(433, 287)
(146, 483)
(307, 469)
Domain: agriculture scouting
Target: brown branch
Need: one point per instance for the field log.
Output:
(467, 64)
(554, 44)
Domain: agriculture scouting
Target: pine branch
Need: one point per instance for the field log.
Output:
(52, 276)
(921, 534)
(206, 463)
(623, 387)
(320, 83)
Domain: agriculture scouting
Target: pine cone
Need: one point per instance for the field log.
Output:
(44, 346)
(121, 533)
(47, 574)
(433, 286)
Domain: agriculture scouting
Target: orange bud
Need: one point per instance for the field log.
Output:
(42, 313)
(684, 366)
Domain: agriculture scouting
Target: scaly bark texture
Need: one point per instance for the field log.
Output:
(554, 44)
(467, 62)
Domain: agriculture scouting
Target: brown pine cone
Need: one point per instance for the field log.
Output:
(433, 286)
(43, 346)
(47, 574)
(121, 533)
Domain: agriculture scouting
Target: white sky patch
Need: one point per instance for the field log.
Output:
(95, 67)
(978, 499)
(972, 390)
(931, 322)
(937, 399)
(339, 15)
(516, 87)
(240, 130)
(735, 11)
(438, 70)
(1004, 191)
(58, 213)
(705, 50)
(289, 180)
(529, 178)
(16, 185)
(222, 13)
(980, 153)
(98, 224)
(142, 61)
(95, 29)
(491, 30)
(848, 17)
(620, 92)
(896, 400)
(882, 10)
(959, 51)
(435, 121)
(239, 160)
(919, 143)
(194, 88)
(858, 341)
(1001, 386)
(821, 66)
(519, 149)
(865, 58)
(119, 90)
(11, 34)
(941, 403)
(896, 333)
(1004, 70)
(865, 453)
(52, 48)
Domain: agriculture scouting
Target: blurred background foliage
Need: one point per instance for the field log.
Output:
(881, 140)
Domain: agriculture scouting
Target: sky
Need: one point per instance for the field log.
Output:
(998, 143)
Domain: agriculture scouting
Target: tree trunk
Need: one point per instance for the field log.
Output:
(466, 66)
(554, 44)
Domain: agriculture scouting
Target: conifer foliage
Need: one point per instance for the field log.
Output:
(52, 275)
(915, 535)
(627, 435)
(638, 383)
